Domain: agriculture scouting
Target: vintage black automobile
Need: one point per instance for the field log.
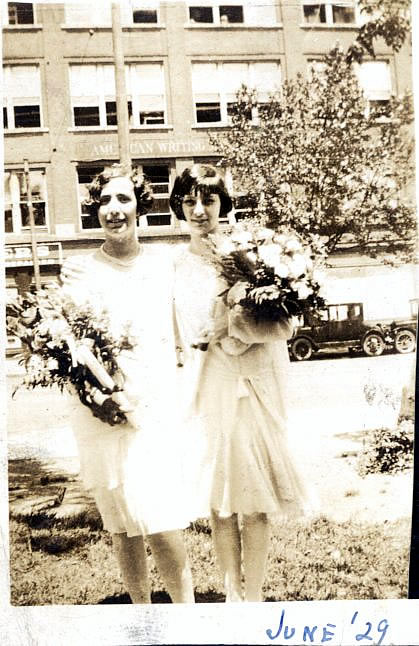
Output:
(341, 327)
(403, 331)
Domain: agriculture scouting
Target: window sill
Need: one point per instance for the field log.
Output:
(24, 131)
(34, 27)
(134, 27)
(114, 129)
(233, 26)
(215, 124)
(324, 27)
(151, 126)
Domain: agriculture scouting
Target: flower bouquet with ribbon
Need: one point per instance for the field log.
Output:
(71, 346)
(269, 273)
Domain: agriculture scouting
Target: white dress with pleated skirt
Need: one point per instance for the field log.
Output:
(135, 471)
(236, 402)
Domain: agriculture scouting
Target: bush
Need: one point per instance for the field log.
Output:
(388, 450)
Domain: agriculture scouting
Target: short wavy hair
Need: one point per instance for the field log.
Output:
(142, 188)
(200, 178)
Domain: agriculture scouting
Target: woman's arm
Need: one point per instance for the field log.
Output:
(73, 270)
(242, 326)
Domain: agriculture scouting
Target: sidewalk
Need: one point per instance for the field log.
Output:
(328, 419)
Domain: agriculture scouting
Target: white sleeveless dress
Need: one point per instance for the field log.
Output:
(134, 471)
(236, 404)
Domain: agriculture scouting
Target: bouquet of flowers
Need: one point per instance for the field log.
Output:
(71, 346)
(270, 274)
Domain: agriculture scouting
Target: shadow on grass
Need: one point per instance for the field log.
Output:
(160, 596)
(43, 493)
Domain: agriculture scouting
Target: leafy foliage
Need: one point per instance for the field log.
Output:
(386, 19)
(388, 450)
(320, 160)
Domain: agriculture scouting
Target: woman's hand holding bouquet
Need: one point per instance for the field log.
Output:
(270, 277)
(72, 346)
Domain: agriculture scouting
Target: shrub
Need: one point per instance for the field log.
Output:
(388, 450)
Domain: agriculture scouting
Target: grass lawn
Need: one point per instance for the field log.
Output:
(70, 561)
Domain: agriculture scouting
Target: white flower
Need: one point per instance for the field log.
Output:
(225, 247)
(35, 363)
(297, 265)
(241, 237)
(280, 238)
(281, 270)
(264, 235)
(303, 290)
(293, 245)
(252, 256)
(270, 254)
(52, 364)
(53, 327)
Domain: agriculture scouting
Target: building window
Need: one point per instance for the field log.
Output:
(231, 13)
(85, 176)
(16, 209)
(20, 13)
(157, 174)
(217, 12)
(201, 14)
(92, 89)
(329, 12)
(375, 80)
(215, 86)
(85, 14)
(144, 13)
(242, 206)
(22, 92)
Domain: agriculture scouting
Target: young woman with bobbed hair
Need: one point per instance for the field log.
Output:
(132, 470)
(244, 473)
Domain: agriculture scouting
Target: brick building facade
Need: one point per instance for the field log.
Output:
(184, 61)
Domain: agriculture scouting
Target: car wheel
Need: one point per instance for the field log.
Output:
(373, 344)
(302, 349)
(405, 341)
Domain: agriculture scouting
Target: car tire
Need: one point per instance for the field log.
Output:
(405, 341)
(302, 349)
(373, 344)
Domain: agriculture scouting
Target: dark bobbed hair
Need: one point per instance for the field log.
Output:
(142, 188)
(200, 178)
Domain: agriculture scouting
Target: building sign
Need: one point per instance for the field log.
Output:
(143, 148)
(49, 253)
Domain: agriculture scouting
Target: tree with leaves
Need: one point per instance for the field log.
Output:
(386, 19)
(317, 157)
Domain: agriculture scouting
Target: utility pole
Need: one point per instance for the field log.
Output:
(36, 271)
(120, 89)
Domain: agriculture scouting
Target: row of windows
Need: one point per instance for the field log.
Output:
(216, 12)
(16, 212)
(214, 86)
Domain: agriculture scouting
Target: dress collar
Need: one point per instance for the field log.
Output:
(120, 261)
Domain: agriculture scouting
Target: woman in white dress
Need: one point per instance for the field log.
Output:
(246, 473)
(132, 470)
